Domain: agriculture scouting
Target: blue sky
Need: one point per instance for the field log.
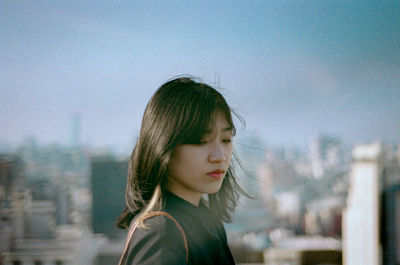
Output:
(292, 69)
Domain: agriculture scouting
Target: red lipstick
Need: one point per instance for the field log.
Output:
(217, 174)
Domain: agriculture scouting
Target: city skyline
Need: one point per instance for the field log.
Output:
(293, 70)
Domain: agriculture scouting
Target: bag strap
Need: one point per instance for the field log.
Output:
(132, 229)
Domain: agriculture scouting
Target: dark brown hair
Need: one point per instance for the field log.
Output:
(180, 112)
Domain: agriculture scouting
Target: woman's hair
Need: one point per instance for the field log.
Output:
(180, 112)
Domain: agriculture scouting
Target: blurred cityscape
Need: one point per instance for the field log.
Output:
(325, 205)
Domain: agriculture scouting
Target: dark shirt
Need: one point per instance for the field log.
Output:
(163, 243)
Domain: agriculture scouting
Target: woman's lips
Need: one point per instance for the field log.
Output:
(216, 174)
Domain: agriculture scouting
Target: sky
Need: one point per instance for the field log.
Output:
(292, 69)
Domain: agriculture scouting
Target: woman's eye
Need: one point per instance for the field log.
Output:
(227, 140)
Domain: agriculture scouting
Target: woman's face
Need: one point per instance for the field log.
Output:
(196, 169)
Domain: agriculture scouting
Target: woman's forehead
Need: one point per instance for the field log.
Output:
(219, 123)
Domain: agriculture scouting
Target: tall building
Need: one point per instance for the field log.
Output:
(11, 174)
(325, 155)
(371, 233)
(108, 189)
(75, 130)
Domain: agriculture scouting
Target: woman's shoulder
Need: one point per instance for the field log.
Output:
(160, 241)
(161, 223)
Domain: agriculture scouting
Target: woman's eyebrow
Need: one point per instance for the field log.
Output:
(227, 129)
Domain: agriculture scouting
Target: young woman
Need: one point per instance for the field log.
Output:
(181, 183)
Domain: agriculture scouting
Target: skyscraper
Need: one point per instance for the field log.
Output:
(325, 154)
(108, 188)
(75, 130)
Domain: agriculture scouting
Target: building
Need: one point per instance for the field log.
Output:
(108, 177)
(31, 231)
(108, 190)
(36, 239)
(371, 234)
(325, 155)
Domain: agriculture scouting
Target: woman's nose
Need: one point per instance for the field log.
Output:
(217, 154)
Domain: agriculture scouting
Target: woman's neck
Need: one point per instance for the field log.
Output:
(192, 198)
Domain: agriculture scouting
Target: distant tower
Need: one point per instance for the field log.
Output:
(325, 155)
(75, 130)
(316, 158)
